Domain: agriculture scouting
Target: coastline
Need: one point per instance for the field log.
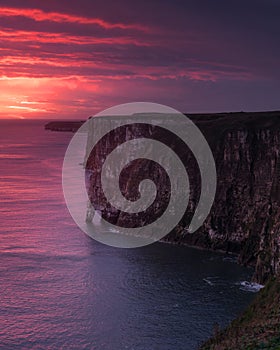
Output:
(258, 327)
(252, 241)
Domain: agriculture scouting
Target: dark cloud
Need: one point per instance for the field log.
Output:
(194, 55)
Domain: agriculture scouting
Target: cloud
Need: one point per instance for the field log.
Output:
(74, 58)
(39, 16)
(41, 97)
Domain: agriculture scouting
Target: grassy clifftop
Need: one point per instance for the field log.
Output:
(257, 328)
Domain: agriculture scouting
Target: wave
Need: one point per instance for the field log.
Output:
(211, 280)
(250, 286)
(232, 259)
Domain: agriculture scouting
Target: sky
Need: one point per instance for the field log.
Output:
(71, 59)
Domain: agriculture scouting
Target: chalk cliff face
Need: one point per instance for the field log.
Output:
(245, 217)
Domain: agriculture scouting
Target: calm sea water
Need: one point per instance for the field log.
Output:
(62, 290)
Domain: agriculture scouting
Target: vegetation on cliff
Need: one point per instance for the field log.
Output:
(257, 328)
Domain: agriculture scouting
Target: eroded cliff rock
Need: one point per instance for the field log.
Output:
(245, 217)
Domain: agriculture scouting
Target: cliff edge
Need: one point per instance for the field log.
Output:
(256, 328)
(245, 217)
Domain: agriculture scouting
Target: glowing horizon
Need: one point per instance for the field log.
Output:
(75, 61)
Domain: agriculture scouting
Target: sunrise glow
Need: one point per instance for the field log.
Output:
(71, 62)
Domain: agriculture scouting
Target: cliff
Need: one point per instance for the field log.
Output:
(64, 125)
(256, 328)
(245, 217)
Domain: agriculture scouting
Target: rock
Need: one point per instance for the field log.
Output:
(244, 219)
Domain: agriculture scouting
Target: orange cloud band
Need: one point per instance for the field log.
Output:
(39, 15)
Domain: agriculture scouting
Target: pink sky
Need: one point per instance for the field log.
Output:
(73, 59)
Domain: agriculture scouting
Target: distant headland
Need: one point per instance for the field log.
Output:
(64, 125)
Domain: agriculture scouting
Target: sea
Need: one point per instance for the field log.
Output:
(60, 289)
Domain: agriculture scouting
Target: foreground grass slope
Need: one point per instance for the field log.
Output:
(257, 328)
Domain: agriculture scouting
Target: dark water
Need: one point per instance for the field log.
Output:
(62, 290)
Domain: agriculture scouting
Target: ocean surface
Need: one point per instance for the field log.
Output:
(62, 290)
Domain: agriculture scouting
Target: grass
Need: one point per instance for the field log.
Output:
(257, 328)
